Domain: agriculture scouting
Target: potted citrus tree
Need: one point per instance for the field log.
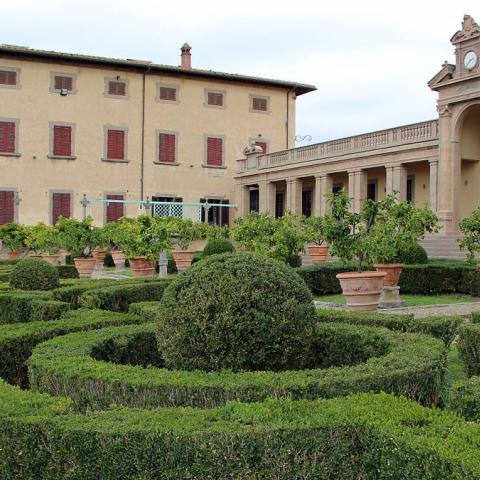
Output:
(79, 238)
(349, 236)
(470, 227)
(183, 232)
(142, 239)
(44, 240)
(314, 228)
(13, 236)
(110, 233)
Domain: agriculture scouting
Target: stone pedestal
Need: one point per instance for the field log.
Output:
(163, 264)
(390, 298)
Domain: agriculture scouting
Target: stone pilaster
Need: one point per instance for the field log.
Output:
(294, 195)
(433, 184)
(267, 192)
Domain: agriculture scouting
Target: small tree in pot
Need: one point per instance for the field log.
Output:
(111, 233)
(13, 236)
(183, 232)
(80, 238)
(142, 239)
(44, 240)
(314, 228)
(470, 227)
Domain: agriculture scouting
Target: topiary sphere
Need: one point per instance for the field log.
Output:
(34, 274)
(238, 312)
(216, 246)
(413, 255)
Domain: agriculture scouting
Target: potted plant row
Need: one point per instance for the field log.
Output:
(13, 238)
(44, 241)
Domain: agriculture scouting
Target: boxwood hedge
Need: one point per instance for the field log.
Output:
(361, 436)
(465, 398)
(17, 341)
(469, 347)
(412, 365)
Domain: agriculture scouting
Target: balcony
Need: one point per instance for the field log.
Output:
(393, 137)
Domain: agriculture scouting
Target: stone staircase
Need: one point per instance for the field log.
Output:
(443, 246)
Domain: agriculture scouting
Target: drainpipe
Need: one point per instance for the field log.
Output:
(142, 160)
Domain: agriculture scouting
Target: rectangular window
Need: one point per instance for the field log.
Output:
(215, 99)
(254, 201)
(166, 147)
(7, 206)
(168, 93)
(372, 190)
(61, 206)
(117, 88)
(62, 141)
(307, 202)
(8, 77)
(165, 210)
(214, 151)
(279, 204)
(115, 144)
(263, 146)
(114, 209)
(7, 137)
(217, 215)
(259, 104)
(411, 188)
(62, 82)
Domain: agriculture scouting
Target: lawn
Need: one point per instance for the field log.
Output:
(411, 300)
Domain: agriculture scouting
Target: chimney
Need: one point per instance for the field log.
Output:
(186, 56)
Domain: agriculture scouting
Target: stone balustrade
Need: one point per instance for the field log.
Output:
(393, 137)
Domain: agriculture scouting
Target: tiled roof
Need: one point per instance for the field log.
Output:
(144, 65)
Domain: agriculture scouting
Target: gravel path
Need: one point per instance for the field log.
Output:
(451, 309)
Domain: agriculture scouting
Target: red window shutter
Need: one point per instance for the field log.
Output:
(214, 151)
(61, 206)
(116, 145)
(166, 143)
(7, 207)
(63, 83)
(117, 88)
(7, 137)
(62, 141)
(168, 93)
(8, 77)
(259, 104)
(262, 145)
(215, 99)
(114, 209)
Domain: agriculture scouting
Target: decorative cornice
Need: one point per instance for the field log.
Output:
(470, 29)
(444, 111)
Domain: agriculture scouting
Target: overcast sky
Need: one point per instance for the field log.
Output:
(370, 59)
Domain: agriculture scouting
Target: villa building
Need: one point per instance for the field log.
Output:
(435, 162)
(76, 126)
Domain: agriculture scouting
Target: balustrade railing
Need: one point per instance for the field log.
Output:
(417, 132)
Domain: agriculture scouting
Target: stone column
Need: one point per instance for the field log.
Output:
(294, 195)
(399, 181)
(433, 184)
(242, 200)
(317, 196)
(327, 187)
(357, 188)
(389, 180)
(266, 193)
(351, 189)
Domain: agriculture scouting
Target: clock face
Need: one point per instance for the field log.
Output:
(470, 60)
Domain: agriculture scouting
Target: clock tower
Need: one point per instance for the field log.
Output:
(467, 48)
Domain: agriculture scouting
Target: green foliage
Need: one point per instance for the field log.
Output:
(470, 227)
(443, 328)
(43, 239)
(218, 245)
(469, 348)
(236, 311)
(147, 310)
(17, 306)
(48, 310)
(118, 298)
(184, 231)
(280, 238)
(465, 398)
(143, 236)
(413, 254)
(33, 274)
(79, 237)
(410, 365)
(314, 229)
(17, 341)
(13, 236)
(67, 271)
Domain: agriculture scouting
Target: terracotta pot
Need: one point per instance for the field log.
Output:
(141, 267)
(13, 254)
(84, 266)
(362, 290)
(392, 270)
(318, 253)
(118, 258)
(183, 259)
(52, 259)
(99, 254)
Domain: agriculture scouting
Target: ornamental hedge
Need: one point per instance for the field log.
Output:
(361, 436)
(34, 274)
(17, 341)
(469, 348)
(443, 328)
(408, 364)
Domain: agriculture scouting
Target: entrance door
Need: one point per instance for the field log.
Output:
(372, 190)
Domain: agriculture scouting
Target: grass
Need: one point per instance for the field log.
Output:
(411, 300)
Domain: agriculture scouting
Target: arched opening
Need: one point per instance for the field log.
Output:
(470, 161)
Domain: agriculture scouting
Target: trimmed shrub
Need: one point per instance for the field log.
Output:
(407, 364)
(119, 297)
(321, 279)
(147, 310)
(16, 307)
(218, 245)
(47, 310)
(67, 271)
(362, 436)
(17, 341)
(414, 255)
(443, 328)
(469, 348)
(33, 274)
(236, 311)
(465, 398)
